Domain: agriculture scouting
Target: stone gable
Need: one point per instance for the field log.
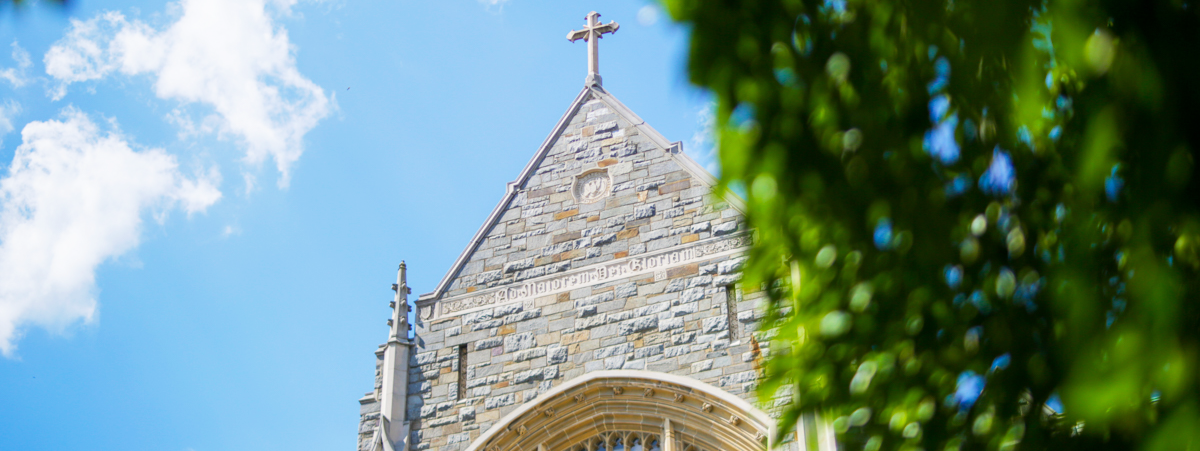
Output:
(653, 204)
(634, 272)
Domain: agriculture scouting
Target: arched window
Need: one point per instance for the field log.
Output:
(630, 411)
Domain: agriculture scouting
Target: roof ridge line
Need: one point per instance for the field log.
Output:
(509, 194)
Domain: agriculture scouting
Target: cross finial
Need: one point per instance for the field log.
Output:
(591, 33)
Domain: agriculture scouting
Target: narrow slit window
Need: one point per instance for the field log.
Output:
(732, 297)
(462, 371)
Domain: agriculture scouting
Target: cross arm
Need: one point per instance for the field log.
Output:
(610, 27)
(577, 35)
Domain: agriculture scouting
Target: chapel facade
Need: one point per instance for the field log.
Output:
(597, 309)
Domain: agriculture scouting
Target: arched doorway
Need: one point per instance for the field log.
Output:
(628, 410)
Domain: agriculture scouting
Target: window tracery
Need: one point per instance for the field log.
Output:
(617, 441)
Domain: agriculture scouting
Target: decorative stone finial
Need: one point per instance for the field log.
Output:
(591, 33)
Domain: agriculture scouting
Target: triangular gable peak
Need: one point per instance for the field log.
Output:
(598, 181)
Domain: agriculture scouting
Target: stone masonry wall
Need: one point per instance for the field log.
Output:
(674, 322)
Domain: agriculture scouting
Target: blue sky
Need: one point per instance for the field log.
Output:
(203, 203)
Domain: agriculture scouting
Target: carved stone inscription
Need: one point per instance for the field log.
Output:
(626, 267)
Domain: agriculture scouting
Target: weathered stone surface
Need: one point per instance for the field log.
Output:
(556, 354)
(733, 264)
(644, 211)
(529, 354)
(500, 401)
(638, 325)
(725, 228)
(714, 324)
(692, 295)
(466, 413)
(489, 343)
(670, 324)
(519, 342)
(626, 290)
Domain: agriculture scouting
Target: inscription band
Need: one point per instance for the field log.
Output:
(570, 280)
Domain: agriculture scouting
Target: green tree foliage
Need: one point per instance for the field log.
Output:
(976, 219)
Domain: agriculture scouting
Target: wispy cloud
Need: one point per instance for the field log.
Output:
(702, 146)
(74, 197)
(498, 4)
(17, 75)
(8, 110)
(229, 55)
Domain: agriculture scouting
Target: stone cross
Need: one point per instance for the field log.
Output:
(592, 34)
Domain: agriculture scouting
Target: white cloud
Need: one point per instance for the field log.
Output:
(648, 15)
(73, 198)
(16, 75)
(229, 55)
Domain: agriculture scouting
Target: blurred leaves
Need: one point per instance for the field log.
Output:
(967, 211)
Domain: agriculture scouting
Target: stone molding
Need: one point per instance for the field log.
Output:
(649, 263)
(631, 401)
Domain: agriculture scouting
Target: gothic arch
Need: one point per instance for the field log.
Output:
(598, 410)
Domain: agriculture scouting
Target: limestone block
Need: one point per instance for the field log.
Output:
(714, 324)
(675, 285)
(621, 316)
(529, 354)
(556, 354)
(636, 249)
(731, 265)
(507, 309)
(604, 239)
(614, 363)
(637, 325)
(748, 316)
(500, 401)
(647, 351)
(428, 411)
(523, 316)
(675, 351)
(725, 228)
(488, 343)
(519, 342)
(487, 325)
(691, 295)
(592, 300)
(699, 281)
(670, 324)
(652, 309)
(590, 322)
(727, 280)
(634, 365)
(518, 265)
(644, 211)
(522, 377)
(423, 358)
(586, 311)
(611, 351)
(738, 378)
(684, 309)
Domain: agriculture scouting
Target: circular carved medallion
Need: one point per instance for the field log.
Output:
(592, 186)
